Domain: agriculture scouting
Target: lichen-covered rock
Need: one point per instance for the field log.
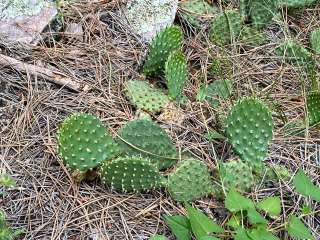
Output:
(131, 174)
(313, 107)
(249, 128)
(24, 20)
(315, 41)
(166, 42)
(176, 72)
(145, 97)
(226, 28)
(236, 174)
(145, 138)
(191, 180)
(196, 12)
(83, 142)
(148, 17)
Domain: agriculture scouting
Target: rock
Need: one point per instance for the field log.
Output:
(147, 17)
(24, 20)
(75, 31)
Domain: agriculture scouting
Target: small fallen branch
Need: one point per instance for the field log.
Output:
(51, 75)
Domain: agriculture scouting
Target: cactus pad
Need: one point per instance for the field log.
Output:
(83, 142)
(194, 10)
(236, 174)
(296, 3)
(167, 41)
(131, 174)
(191, 180)
(145, 97)
(146, 138)
(315, 41)
(176, 72)
(253, 37)
(217, 91)
(226, 27)
(262, 12)
(313, 106)
(249, 129)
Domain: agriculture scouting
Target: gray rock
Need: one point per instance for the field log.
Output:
(24, 20)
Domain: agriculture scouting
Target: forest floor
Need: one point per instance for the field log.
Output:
(49, 205)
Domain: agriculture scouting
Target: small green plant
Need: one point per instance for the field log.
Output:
(146, 138)
(145, 97)
(84, 143)
(248, 220)
(167, 41)
(176, 72)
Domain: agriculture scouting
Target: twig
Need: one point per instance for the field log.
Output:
(52, 75)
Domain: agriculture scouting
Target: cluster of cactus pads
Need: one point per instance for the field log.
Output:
(133, 162)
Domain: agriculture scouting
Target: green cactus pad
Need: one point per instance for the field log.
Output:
(252, 37)
(145, 97)
(274, 173)
(167, 41)
(296, 3)
(313, 107)
(176, 72)
(249, 129)
(294, 53)
(194, 10)
(131, 174)
(226, 27)
(262, 12)
(83, 142)
(146, 138)
(236, 174)
(315, 41)
(217, 91)
(191, 180)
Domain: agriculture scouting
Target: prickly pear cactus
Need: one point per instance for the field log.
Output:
(252, 37)
(262, 12)
(167, 41)
(83, 142)
(294, 53)
(226, 28)
(313, 107)
(236, 174)
(194, 12)
(145, 97)
(296, 3)
(217, 91)
(315, 41)
(146, 138)
(131, 174)
(274, 173)
(176, 72)
(249, 129)
(191, 180)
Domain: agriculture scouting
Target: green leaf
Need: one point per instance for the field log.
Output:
(201, 96)
(235, 202)
(201, 225)
(209, 238)
(255, 217)
(241, 234)
(234, 221)
(180, 226)
(306, 209)
(297, 229)
(305, 187)
(261, 234)
(271, 205)
(213, 134)
(158, 237)
(7, 181)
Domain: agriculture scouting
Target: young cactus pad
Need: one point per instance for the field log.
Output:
(191, 180)
(176, 72)
(145, 97)
(131, 174)
(167, 41)
(315, 41)
(83, 142)
(236, 174)
(262, 12)
(249, 129)
(226, 27)
(146, 138)
(313, 106)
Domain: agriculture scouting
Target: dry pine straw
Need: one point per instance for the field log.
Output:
(49, 205)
